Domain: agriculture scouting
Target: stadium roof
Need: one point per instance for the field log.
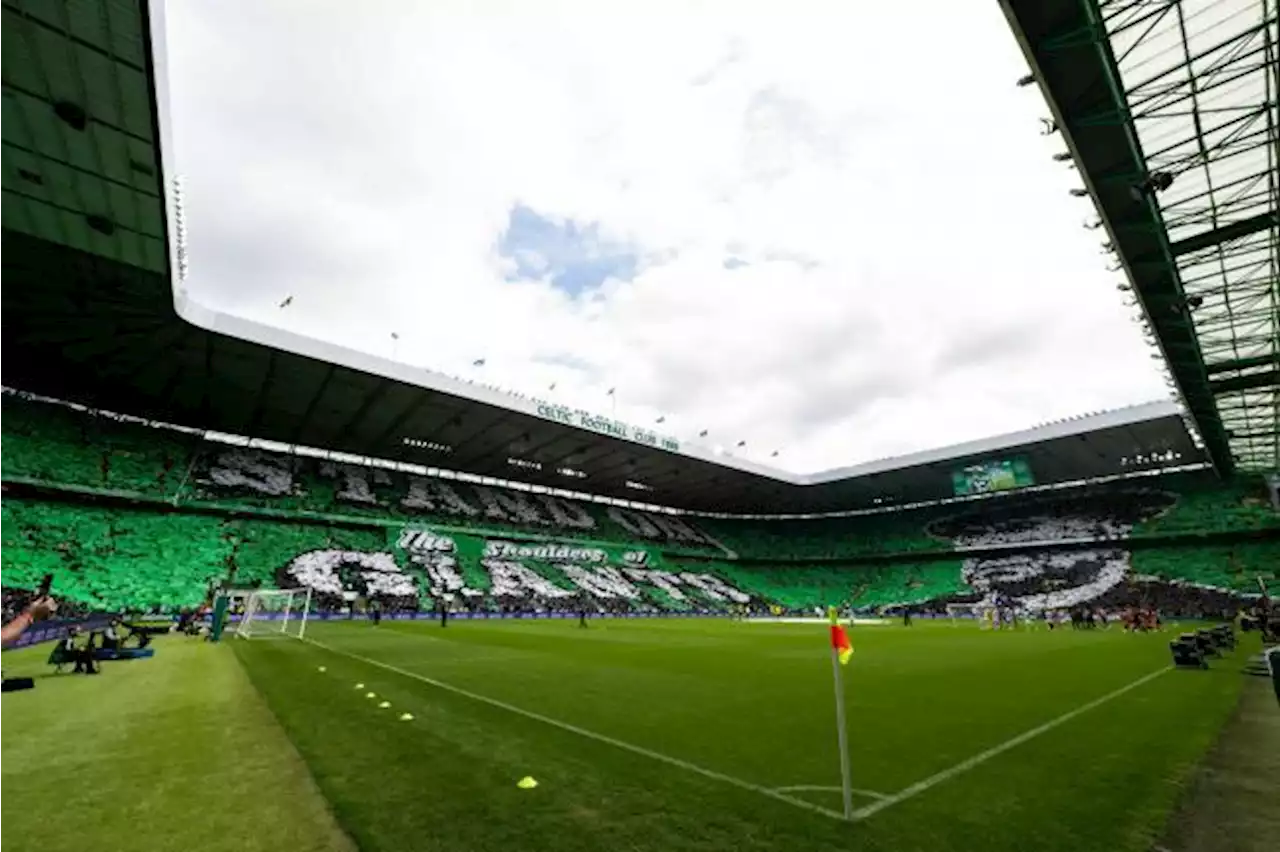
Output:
(91, 314)
(1170, 111)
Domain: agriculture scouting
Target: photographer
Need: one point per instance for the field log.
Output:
(112, 639)
(38, 610)
(68, 652)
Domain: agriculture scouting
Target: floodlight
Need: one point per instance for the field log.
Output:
(1156, 182)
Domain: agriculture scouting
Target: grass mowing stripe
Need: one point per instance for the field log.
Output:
(982, 757)
(583, 732)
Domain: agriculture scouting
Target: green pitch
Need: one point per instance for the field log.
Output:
(667, 734)
(641, 734)
(175, 753)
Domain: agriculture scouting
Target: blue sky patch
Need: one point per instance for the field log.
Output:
(571, 255)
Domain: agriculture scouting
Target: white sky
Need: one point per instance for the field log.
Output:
(850, 239)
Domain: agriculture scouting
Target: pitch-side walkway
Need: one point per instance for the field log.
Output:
(1232, 803)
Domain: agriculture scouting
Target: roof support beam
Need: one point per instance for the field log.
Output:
(1260, 433)
(1225, 234)
(1242, 364)
(1271, 378)
(1069, 52)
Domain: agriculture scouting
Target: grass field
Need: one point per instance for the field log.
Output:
(749, 701)
(175, 753)
(643, 735)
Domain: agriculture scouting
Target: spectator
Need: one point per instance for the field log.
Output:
(37, 610)
(69, 651)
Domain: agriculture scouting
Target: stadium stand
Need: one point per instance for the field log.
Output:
(1178, 506)
(1204, 509)
(112, 559)
(809, 587)
(58, 446)
(79, 448)
(1235, 566)
(130, 516)
(827, 538)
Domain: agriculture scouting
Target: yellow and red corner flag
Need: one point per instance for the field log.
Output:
(840, 641)
(839, 638)
(841, 651)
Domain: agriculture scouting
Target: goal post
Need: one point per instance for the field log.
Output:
(275, 612)
(967, 611)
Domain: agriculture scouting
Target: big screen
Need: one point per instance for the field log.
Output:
(999, 475)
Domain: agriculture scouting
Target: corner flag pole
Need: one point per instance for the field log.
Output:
(840, 646)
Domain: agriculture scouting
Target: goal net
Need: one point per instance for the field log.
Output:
(275, 612)
(965, 611)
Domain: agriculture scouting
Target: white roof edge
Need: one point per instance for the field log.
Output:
(219, 322)
(244, 329)
(1083, 424)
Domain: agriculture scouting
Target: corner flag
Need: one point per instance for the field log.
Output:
(841, 651)
(840, 644)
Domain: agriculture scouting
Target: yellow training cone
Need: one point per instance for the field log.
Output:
(385, 704)
(323, 669)
(371, 695)
(359, 686)
(527, 783)
(406, 717)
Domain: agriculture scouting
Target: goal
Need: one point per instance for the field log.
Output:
(965, 610)
(275, 612)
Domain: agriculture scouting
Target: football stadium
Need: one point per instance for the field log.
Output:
(266, 592)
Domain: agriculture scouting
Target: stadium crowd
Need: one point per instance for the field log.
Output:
(172, 512)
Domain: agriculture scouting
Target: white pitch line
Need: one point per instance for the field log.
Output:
(825, 788)
(592, 735)
(964, 766)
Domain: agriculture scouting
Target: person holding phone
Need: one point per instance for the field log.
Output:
(38, 610)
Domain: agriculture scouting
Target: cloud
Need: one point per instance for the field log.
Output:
(800, 229)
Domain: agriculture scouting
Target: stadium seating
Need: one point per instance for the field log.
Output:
(183, 511)
(112, 559)
(67, 447)
(1235, 566)
(1204, 509)
(77, 448)
(827, 538)
(807, 588)
(60, 446)
(1104, 513)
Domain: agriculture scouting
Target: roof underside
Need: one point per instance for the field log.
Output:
(89, 317)
(1170, 111)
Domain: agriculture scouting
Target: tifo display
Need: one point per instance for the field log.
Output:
(171, 514)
